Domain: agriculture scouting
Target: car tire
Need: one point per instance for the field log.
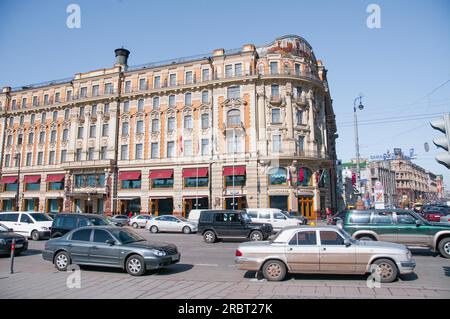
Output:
(135, 265)
(256, 235)
(444, 247)
(187, 230)
(135, 225)
(62, 261)
(209, 237)
(387, 270)
(366, 238)
(35, 235)
(154, 229)
(274, 270)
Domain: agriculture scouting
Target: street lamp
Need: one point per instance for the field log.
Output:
(17, 158)
(355, 117)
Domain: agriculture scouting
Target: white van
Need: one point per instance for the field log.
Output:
(194, 215)
(29, 224)
(273, 216)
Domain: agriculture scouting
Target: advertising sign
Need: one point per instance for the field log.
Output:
(379, 195)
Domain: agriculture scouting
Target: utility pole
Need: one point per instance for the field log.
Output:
(355, 118)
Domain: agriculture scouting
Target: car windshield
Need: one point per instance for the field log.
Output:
(99, 221)
(246, 218)
(285, 213)
(41, 217)
(121, 217)
(346, 235)
(3, 229)
(126, 236)
(417, 216)
(183, 219)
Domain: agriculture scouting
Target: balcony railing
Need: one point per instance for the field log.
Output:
(311, 154)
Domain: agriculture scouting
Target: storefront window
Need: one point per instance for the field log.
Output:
(196, 182)
(162, 183)
(32, 186)
(131, 184)
(278, 176)
(56, 186)
(239, 180)
(10, 187)
(90, 180)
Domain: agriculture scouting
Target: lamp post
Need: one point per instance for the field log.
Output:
(17, 158)
(355, 117)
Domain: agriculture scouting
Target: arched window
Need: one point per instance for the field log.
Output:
(278, 176)
(304, 176)
(234, 117)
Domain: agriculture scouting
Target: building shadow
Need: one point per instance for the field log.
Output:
(29, 252)
(171, 270)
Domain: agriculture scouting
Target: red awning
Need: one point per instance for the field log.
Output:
(194, 197)
(31, 179)
(238, 170)
(129, 176)
(195, 172)
(161, 173)
(55, 178)
(8, 180)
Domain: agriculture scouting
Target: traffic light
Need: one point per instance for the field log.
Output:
(443, 125)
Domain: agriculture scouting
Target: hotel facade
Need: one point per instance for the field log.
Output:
(250, 127)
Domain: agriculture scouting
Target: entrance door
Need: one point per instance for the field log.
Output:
(280, 202)
(306, 206)
(239, 203)
(88, 207)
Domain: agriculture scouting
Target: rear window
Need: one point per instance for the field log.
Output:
(206, 217)
(359, 218)
(66, 222)
(252, 213)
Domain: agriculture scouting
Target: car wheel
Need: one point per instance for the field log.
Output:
(274, 270)
(187, 230)
(135, 265)
(154, 229)
(386, 270)
(209, 237)
(366, 238)
(35, 235)
(135, 225)
(444, 247)
(62, 261)
(256, 235)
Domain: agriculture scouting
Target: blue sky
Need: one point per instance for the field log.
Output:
(399, 68)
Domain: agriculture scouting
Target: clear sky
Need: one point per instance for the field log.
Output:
(399, 68)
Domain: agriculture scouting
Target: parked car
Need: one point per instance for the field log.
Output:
(194, 215)
(139, 221)
(6, 238)
(34, 225)
(109, 246)
(323, 250)
(293, 214)
(120, 220)
(51, 215)
(445, 219)
(64, 223)
(338, 217)
(170, 223)
(218, 224)
(398, 226)
(434, 214)
(274, 216)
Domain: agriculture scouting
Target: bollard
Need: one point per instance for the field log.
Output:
(13, 247)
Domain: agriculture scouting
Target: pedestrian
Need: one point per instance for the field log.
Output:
(328, 213)
(130, 214)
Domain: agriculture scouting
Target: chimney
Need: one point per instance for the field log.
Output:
(122, 57)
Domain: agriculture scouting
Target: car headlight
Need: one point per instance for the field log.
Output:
(2, 241)
(409, 255)
(44, 228)
(158, 253)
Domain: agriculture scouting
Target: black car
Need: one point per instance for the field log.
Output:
(6, 239)
(63, 223)
(217, 224)
(109, 246)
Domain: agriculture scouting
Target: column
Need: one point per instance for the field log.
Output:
(289, 122)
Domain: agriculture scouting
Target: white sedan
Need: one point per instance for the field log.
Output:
(170, 224)
(139, 221)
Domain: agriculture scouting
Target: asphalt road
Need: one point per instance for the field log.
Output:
(201, 262)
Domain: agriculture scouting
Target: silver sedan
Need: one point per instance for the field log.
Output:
(168, 223)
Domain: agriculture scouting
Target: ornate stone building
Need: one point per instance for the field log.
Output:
(252, 127)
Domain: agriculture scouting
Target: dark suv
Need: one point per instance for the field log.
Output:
(399, 226)
(217, 224)
(63, 223)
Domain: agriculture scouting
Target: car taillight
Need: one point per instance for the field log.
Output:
(238, 253)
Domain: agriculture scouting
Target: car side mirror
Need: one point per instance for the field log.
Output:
(110, 242)
(347, 243)
(418, 222)
(178, 221)
(10, 230)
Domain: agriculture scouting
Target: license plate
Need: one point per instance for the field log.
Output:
(18, 245)
(175, 258)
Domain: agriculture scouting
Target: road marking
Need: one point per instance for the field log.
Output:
(207, 265)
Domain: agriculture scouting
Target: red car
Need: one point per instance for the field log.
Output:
(435, 214)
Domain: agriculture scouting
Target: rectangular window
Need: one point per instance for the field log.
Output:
(131, 184)
(188, 122)
(31, 138)
(78, 154)
(235, 180)
(95, 90)
(188, 148)
(53, 136)
(162, 183)
(56, 186)
(156, 103)
(205, 121)
(55, 116)
(32, 187)
(205, 97)
(63, 156)
(172, 79)
(228, 71)
(196, 182)
(57, 97)
(276, 116)
(92, 131)
(171, 149)
(46, 99)
(90, 154)
(42, 137)
(205, 146)
(40, 158)
(81, 111)
(32, 119)
(128, 87)
(7, 160)
(28, 163)
(125, 128)
(126, 106)
(66, 114)
(69, 96)
(234, 145)
(140, 127)
(142, 84)
(238, 69)
(9, 140)
(43, 116)
(299, 117)
(80, 132)
(275, 90)
(103, 153)
(157, 82)
(155, 150)
(19, 139)
(189, 77)
(234, 92)
(106, 108)
(171, 124)
(276, 143)
(105, 130)
(124, 152)
(141, 105)
(188, 99)
(138, 151)
(94, 109)
(297, 69)
(35, 101)
(24, 102)
(155, 125)
(65, 135)
(13, 104)
(273, 67)
(51, 158)
(83, 92)
(109, 88)
(301, 143)
(171, 100)
(205, 75)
